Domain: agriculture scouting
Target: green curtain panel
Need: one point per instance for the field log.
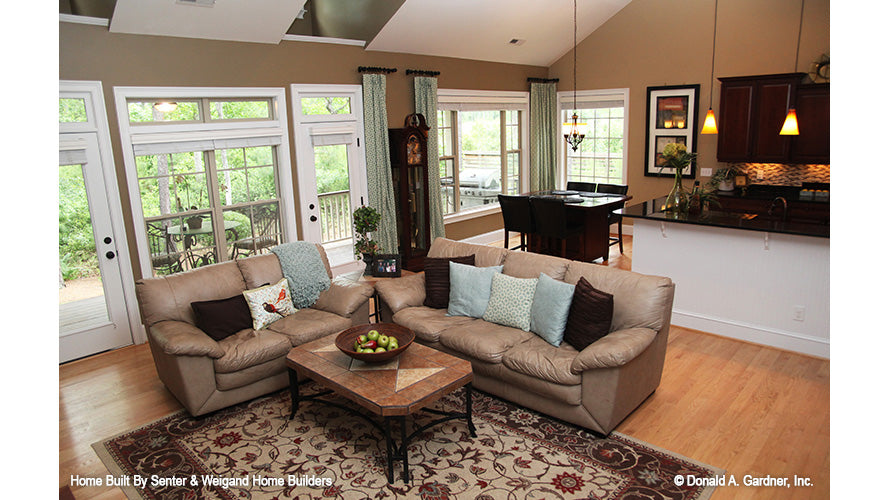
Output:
(544, 130)
(426, 104)
(379, 169)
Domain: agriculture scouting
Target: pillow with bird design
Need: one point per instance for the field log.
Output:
(269, 303)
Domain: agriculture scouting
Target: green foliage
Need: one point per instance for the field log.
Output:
(72, 111)
(331, 168)
(366, 220)
(76, 243)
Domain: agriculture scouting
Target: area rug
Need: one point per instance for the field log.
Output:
(253, 451)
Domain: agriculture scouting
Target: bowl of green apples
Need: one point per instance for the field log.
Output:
(376, 342)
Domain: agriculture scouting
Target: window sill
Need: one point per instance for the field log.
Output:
(472, 214)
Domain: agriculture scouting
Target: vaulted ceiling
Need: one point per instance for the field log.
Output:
(535, 32)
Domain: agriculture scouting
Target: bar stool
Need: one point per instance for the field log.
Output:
(613, 217)
(551, 217)
(516, 211)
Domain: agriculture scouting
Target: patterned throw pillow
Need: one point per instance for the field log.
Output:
(510, 303)
(269, 303)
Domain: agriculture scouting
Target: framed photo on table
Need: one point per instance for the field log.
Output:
(386, 265)
(671, 117)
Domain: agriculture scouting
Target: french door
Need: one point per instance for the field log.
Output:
(92, 307)
(330, 167)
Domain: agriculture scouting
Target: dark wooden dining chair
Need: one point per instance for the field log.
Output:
(583, 187)
(516, 210)
(613, 217)
(551, 218)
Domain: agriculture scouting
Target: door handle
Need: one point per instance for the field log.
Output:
(313, 218)
(109, 254)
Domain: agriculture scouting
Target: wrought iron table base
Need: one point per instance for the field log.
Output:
(393, 452)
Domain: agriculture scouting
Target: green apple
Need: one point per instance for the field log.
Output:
(393, 344)
(383, 341)
(362, 339)
(373, 335)
(380, 349)
(367, 351)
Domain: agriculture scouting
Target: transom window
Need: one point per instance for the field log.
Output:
(481, 149)
(208, 180)
(601, 157)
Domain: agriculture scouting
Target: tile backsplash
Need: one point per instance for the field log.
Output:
(785, 175)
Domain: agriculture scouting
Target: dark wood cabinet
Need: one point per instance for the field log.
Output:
(751, 112)
(812, 145)
(410, 180)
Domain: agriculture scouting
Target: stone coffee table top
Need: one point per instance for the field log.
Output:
(417, 378)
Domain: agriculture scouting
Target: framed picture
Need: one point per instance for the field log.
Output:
(386, 265)
(671, 117)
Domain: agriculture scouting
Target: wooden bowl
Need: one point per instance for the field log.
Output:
(347, 337)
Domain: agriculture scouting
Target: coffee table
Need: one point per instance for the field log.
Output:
(389, 391)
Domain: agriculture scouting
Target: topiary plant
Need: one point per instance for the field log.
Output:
(366, 220)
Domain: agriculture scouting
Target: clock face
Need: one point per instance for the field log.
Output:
(414, 154)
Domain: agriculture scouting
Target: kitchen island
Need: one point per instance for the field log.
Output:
(748, 275)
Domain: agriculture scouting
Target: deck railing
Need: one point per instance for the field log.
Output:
(336, 216)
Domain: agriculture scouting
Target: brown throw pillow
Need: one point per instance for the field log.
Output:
(438, 279)
(222, 318)
(589, 318)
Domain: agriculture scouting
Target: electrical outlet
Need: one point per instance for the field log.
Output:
(707, 172)
(799, 313)
(757, 174)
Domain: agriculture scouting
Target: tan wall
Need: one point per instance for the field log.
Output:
(92, 53)
(654, 43)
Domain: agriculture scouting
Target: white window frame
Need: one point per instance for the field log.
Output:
(566, 103)
(133, 134)
(487, 100)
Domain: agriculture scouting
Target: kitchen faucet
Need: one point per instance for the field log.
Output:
(783, 207)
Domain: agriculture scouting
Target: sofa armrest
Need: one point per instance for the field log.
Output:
(613, 350)
(178, 338)
(407, 291)
(343, 297)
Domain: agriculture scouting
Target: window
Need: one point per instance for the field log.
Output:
(481, 138)
(208, 180)
(601, 157)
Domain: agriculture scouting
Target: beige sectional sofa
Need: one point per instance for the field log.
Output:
(205, 374)
(595, 388)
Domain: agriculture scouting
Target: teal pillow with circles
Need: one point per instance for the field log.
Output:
(470, 289)
(549, 312)
(510, 303)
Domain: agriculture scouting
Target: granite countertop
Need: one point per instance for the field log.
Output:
(652, 210)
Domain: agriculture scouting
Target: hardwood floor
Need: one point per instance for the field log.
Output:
(742, 407)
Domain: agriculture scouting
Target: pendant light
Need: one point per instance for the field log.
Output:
(710, 119)
(573, 130)
(791, 126)
(165, 106)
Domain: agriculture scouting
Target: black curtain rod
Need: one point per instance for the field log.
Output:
(375, 69)
(542, 80)
(421, 72)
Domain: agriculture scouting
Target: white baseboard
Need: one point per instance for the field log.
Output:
(755, 334)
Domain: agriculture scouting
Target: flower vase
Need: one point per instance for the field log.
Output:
(677, 200)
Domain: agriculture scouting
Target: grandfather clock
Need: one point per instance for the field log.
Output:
(410, 179)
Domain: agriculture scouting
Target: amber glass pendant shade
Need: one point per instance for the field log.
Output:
(791, 127)
(709, 123)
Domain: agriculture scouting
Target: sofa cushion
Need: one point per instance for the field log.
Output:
(306, 325)
(260, 269)
(269, 303)
(530, 265)
(589, 318)
(549, 311)
(482, 340)
(470, 289)
(170, 297)
(438, 279)
(510, 302)
(639, 300)
(537, 358)
(250, 347)
(485, 256)
(428, 323)
(223, 317)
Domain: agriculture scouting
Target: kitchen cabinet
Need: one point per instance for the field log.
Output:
(752, 110)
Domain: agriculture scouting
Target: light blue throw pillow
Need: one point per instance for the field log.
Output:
(470, 289)
(510, 303)
(549, 311)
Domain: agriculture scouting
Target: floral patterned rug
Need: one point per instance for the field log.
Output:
(253, 451)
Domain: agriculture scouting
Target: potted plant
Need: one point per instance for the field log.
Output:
(366, 220)
(724, 178)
